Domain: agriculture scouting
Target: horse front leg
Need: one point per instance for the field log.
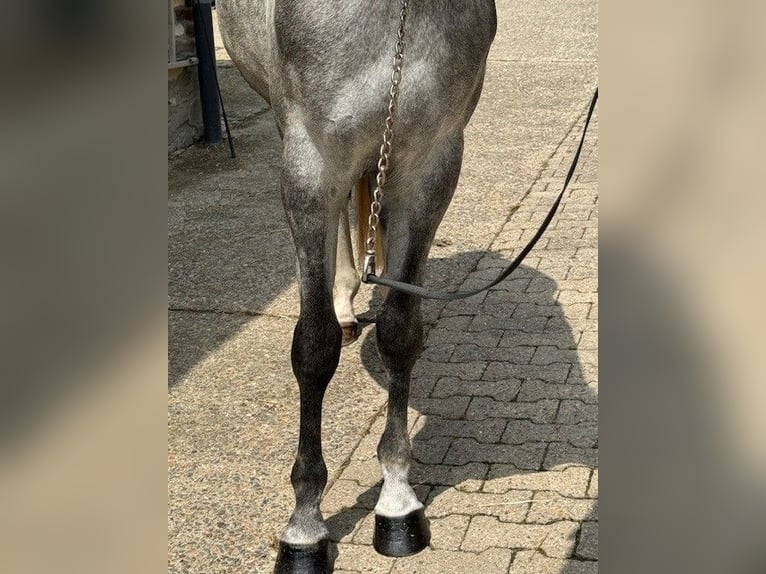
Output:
(414, 213)
(315, 350)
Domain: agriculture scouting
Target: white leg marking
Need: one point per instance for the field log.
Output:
(397, 498)
(305, 529)
(346, 278)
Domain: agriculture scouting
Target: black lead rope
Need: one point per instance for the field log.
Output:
(416, 291)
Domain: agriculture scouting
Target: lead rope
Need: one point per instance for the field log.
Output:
(373, 220)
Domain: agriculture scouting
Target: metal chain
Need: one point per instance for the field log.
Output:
(385, 149)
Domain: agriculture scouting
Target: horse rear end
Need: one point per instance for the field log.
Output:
(326, 68)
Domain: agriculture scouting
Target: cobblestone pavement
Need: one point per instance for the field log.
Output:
(504, 399)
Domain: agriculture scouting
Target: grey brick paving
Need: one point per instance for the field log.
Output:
(504, 412)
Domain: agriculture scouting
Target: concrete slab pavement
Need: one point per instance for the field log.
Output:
(503, 411)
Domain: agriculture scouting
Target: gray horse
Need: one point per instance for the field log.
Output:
(325, 66)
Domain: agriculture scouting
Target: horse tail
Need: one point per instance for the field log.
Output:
(363, 204)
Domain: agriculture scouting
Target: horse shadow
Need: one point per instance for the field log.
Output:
(502, 412)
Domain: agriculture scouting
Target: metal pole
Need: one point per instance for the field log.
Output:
(203, 37)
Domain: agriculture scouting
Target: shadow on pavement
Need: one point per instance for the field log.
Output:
(229, 249)
(498, 371)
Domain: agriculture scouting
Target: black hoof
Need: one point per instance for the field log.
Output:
(302, 559)
(351, 332)
(401, 536)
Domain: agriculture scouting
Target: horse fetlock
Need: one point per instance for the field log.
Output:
(394, 449)
(306, 526)
(397, 498)
(308, 479)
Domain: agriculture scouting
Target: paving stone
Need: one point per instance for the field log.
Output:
(555, 373)
(509, 506)
(555, 540)
(551, 507)
(431, 451)
(452, 407)
(547, 354)
(468, 477)
(513, 338)
(572, 481)
(526, 310)
(487, 431)
(588, 286)
(535, 390)
(543, 285)
(365, 530)
(422, 386)
(514, 355)
(533, 562)
(562, 539)
(499, 304)
(362, 559)
(558, 326)
(434, 561)
(450, 337)
(542, 411)
(576, 313)
(588, 545)
(438, 353)
(503, 390)
(561, 454)
(573, 412)
(465, 306)
(495, 261)
(458, 323)
(483, 322)
(585, 372)
(367, 447)
(593, 487)
(582, 271)
(363, 472)
(345, 523)
(348, 494)
(447, 532)
(571, 296)
(583, 435)
(467, 371)
(528, 456)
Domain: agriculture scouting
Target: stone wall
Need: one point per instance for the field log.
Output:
(184, 109)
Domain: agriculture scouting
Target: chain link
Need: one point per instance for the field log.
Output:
(388, 135)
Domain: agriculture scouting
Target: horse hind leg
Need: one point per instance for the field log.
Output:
(315, 349)
(346, 280)
(401, 528)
